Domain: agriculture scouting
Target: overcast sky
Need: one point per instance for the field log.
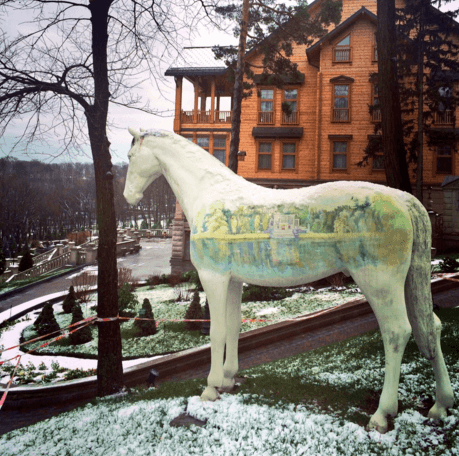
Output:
(123, 117)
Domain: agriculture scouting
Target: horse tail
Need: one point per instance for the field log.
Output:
(418, 294)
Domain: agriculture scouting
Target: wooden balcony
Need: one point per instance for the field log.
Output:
(205, 117)
(444, 118)
(341, 115)
(342, 54)
(291, 119)
(266, 117)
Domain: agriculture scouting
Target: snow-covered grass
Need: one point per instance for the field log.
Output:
(316, 403)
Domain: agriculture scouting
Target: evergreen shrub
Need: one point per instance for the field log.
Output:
(146, 327)
(83, 335)
(70, 301)
(256, 293)
(194, 312)
(26, 261)
(127, 301)
(46, 322)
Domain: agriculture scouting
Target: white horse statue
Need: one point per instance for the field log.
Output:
(241, 232)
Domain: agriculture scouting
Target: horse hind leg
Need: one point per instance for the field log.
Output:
(386, 298)
(444, 397)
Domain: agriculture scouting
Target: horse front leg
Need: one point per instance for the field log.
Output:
(233, 328)
(216, 288)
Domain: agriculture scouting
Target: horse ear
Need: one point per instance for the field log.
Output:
(134, 133)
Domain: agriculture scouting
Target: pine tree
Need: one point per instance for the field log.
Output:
(83, 335)
(70, 301)
(146, 327)
(194, 312)
(46, 322)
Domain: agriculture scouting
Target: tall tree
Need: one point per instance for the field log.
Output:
(271, 28)
(393, 145)
(427, 60)
(75, 58)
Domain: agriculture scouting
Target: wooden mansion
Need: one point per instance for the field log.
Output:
(309, 132)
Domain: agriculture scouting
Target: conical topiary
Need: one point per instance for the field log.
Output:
(26, 261)
(83, 335)
(206, 324)
(70, 301)
(194, 312)
(46, 322)
(146, 327)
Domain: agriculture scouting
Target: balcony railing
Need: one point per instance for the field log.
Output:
(341, 115)
(376, 115)
(203, 117)
(444, 118)
(266, 117)
(341, 54)
(291, 119)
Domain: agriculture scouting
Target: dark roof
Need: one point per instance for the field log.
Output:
(362, 12)
(277, 132)
(197, 61)
(449, 180)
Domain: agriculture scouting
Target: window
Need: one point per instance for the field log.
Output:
(375, 51)
(264, 155)
(290, 107)
(339, 151)
(266, 110)
(220, 148)
(444, 115)
(341, 111)
(190, 138)
(342, 51)
(444, 159)
(203, 141)
(376, 114)
(289, 155)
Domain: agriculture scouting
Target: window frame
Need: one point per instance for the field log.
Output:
(375, 118)
(436, 156)
(338, 47)
(260, 100)
(296, 120)
(209, 136)
(349, 99)
(271, 154)
(340, 138)
(221, 136)
(295, 154)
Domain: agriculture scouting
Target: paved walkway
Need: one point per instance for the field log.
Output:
(152, 259)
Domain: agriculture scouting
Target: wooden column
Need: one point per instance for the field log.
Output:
(212, 103)
(178, 104)
(196, 99)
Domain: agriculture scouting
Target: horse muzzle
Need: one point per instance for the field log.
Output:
(132, 197)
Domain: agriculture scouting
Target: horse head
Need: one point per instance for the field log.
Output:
(144, 167)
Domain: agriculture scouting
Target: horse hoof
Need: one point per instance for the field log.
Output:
(378, 423)
(437, 412)
(210, 394)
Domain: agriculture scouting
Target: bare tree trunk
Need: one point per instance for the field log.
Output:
(395, 164)
(238, 89)
(109, 366)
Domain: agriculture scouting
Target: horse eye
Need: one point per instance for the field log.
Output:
(132, 142)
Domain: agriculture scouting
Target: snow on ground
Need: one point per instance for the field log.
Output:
(233, 427)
